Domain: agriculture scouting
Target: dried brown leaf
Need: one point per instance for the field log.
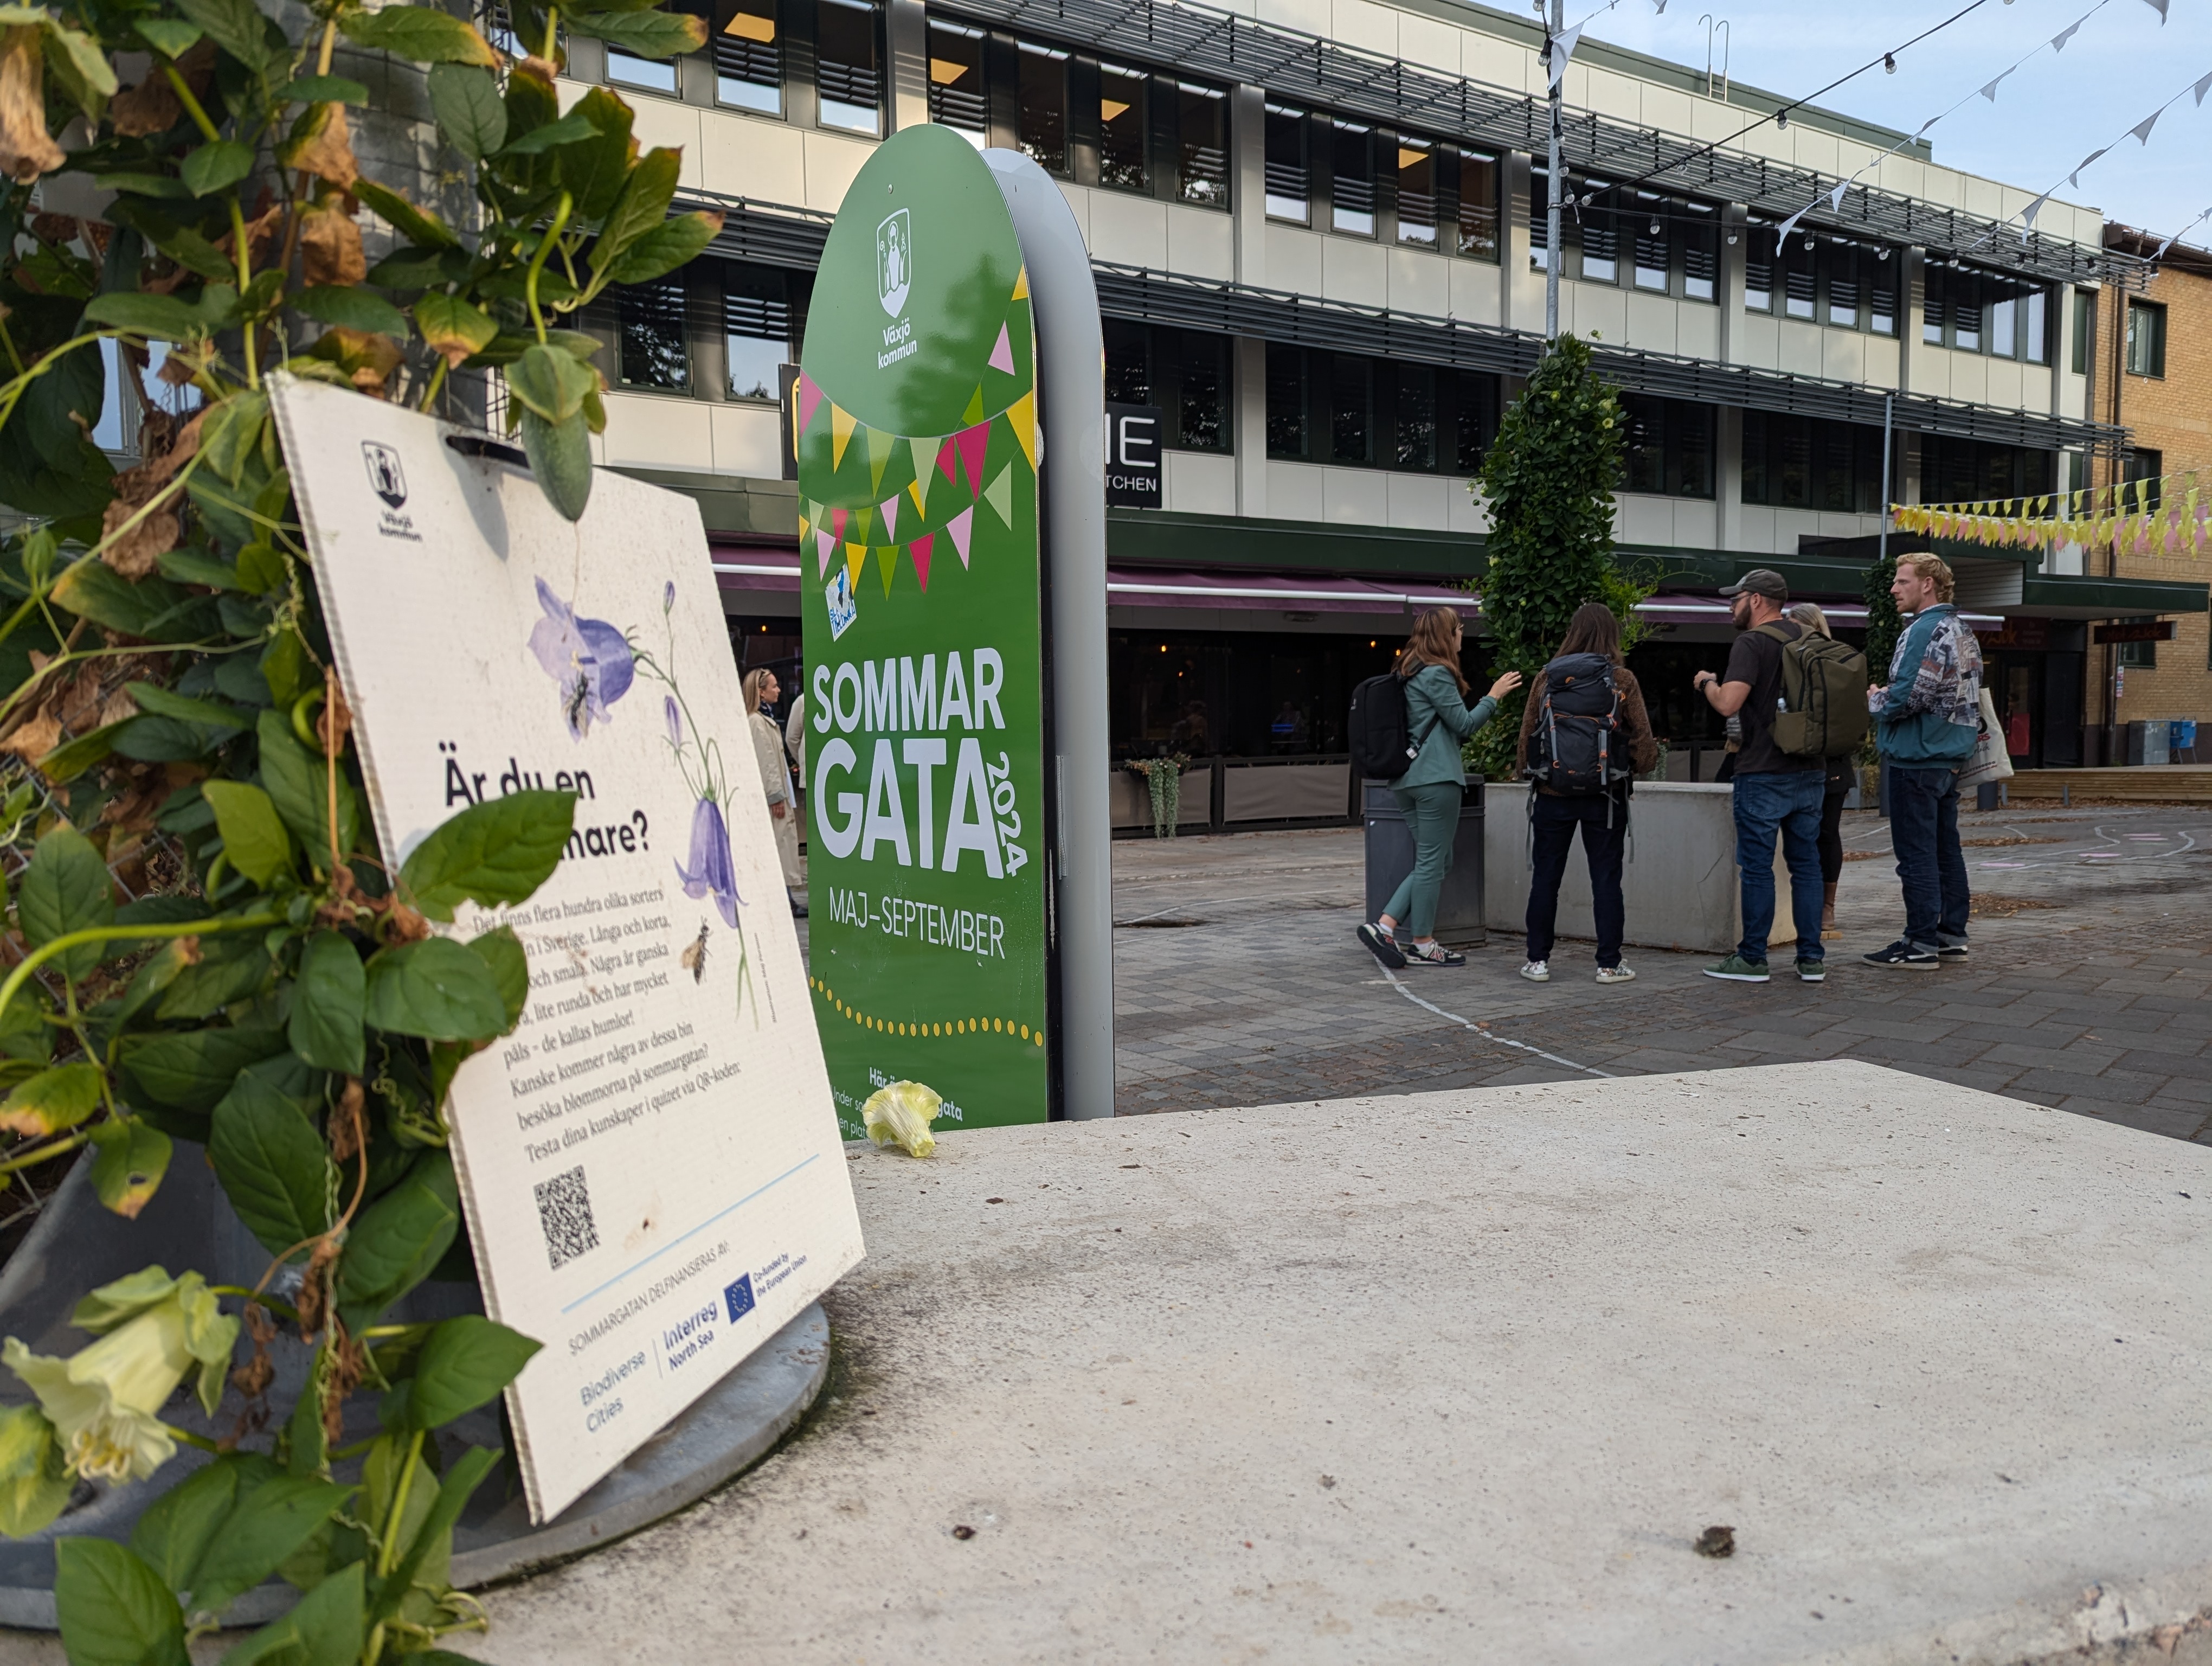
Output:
(327, 149)
(33, 737)
(27, 149)
(349, 1365)
(336, 721)
(149, 108)
(117, 707)
(345, 1129)
(136, 552)
(330, 247)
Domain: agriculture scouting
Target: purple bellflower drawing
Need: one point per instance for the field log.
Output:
(588, 659)
(711, 872)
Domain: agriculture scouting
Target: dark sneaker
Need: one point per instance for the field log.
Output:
(1434, 955)
(1902, 954)
(1736, 969)
(1383, 946)
(1952, 950)
(1812, 971)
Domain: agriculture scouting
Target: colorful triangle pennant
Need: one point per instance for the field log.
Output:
(1000, 495)
(879, 453)
(887, 564)
(919, 550)
(1002, 356)
(1022, 414)
(1022, 284)
(810, 397)
(972, 442)
(924, 451)
(973, 413)
(856, 556)
(960, 529)
(828, 545)
(889, 507)
(841, 434)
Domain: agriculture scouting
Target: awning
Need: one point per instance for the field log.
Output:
(1668, 609)
(1150, 587)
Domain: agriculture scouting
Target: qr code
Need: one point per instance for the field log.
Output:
(564, 1210)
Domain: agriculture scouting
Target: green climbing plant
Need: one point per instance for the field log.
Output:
(1884, 626)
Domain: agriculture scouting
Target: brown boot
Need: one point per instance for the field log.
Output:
(1827, 909)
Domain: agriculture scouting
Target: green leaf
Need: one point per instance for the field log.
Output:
(194, 253)
(197, 566)
(270, 1521)
(326, 1628)
(327, 1003)
(52, 1100)
(644, 33)
(164, 702)
(568, 129)
(172, 37)
(34, 1482)
(501, 951)
(594, 173)
(395, 1242)
(128, 1163)
(550, 382)
(80, 68)
(461, 1482)
(163, 739)
(231, 432)
(272, 1163)
(93, 590)
(176, 1527)
(436, 989)
(298, 783)
(466, 102)
(24, 1035)
(560, 461)
(390, 1457)
(73, 757)
(114, 1609)
(323, 89)
(419, 33)
(354, 308)
(418, 225)
(165, 316)
(499, 851)
(670, 244)
(191, 1071)
(236, 26)
(232, 967)
(157, 186)
(216, 165)
(261, 569)
(642, 206)
(253, 835)
(465, 1362)
(450, 325)
(65, 889)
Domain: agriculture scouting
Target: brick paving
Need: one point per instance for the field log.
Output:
(2086, 991)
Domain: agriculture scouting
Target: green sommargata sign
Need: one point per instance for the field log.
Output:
(920, 594)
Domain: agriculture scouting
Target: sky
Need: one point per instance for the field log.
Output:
(2047, 116)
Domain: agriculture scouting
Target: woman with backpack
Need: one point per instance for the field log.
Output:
(1438, 719)
(1833, 791)
(1587, 682)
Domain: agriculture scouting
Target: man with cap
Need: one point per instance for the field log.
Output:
(1774, 792)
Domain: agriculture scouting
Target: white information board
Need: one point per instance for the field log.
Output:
(650, 1163)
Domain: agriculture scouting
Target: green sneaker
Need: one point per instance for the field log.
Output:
(1812, 971)
(1736, 969)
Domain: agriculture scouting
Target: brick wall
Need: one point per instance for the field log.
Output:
(2171, 415)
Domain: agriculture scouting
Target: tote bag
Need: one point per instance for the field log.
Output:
(1992, 759)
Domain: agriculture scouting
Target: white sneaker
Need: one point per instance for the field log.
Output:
(1536, 972)
(1615, 974)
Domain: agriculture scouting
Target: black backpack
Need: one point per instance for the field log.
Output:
(1576, 748)
(1382, 746)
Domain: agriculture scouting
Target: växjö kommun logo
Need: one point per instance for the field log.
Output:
(894, 262)
(384, 474)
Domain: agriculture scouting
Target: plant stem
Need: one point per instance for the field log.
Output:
(538, 261)
(552, 33)
(32, 1159)
(437, 382)
(191, 1439)
(67, 940)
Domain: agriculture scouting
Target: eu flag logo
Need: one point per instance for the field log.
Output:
(740, 1298)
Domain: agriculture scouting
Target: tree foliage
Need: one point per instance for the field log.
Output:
(208, 944)
(1548, 483)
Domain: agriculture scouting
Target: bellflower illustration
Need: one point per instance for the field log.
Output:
(675, 716)
(589, 659)
(711, 870)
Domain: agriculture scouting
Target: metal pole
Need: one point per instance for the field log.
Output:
(1885, 443)
(1552, 195)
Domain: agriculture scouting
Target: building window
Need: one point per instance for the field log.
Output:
(1881, 294)
(649, 74)
(1122, 117)
(1185, 373)
(2084, 328)
(1202, 136)
(1802, 463)
(756, 329)
(650, 348)
(1351, 168)
(2146, 467)
(1540, 222)
(748, 56)
(956, 95)
(1600, 240)
(1417, 193)
(2146, 338)
(1350, 408)
(1473, 417)
(1932, 306)
(1843, 288)
(1128, 362)
(2035, 327)
(1288, 181)
(1043, 120)
(1972, 311)
(1478, 205)
(1800, 282)
(1974, 471)
(1653, 245)
(2139, 656)
(1701, 251)
(1758, 270)
(848, 67)
(1666, 446)
(1415, 415)
(1287, 401)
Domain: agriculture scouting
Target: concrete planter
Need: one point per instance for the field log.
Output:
(1679, 881)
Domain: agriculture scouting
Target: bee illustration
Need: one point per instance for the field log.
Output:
(695, 956)
(577, 699)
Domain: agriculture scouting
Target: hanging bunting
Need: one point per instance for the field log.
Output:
(1002, 356)
(1990, 92)
(1001, 495)
(2074, 177)
(841, 434)
(971, 443)
(2058, 42)
(828, 545)
(1563, 48)
(879, 454)
(2141, 131)
(837, 518)
(861, 518)
(960, 529)
(918, 552)
(810, 396)
(974, 412)
(887, 564)
(890, 507)
(1022, 415)
(1021, 285)
(856, 556)
(2157, 6)
(923, 451)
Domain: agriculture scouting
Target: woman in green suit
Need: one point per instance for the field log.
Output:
(1438, 719)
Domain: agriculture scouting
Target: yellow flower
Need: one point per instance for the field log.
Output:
(105, 1400)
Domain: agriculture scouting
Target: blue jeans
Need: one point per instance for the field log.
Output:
(1788, 801)
(1923, 830)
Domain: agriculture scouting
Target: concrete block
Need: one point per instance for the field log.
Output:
(1681, 886)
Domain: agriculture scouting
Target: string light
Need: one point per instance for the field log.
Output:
(1889, 64)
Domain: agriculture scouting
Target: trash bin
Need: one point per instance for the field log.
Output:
(1390, 858)
(2146, 741)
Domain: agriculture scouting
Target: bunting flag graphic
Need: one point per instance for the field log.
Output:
(2166, 516)
(810, 397)
(918, 551)
(889, 507)
(841, 433)
(887, 564)
(1001, 495)
(923, 451)
(1022, 415)
(973, 413)
(828, 545)
(837, 518)
(805, 521)
(856, 556)
(959, 529)
(971, 443)
(879, 453)
(862, 518)
(1021, 285)
(1002, 356)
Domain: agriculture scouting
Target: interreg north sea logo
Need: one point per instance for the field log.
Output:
(389, 482)
(894, 262)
